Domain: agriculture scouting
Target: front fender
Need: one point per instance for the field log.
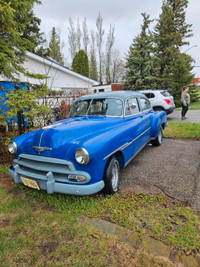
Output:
(100, 149)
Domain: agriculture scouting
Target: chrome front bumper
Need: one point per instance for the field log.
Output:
(51, 174)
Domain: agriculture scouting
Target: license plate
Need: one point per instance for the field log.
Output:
(30, 183)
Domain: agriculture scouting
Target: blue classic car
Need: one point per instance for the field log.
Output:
(83, 154)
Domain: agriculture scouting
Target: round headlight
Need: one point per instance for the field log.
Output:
(82, 156)
(12, 147)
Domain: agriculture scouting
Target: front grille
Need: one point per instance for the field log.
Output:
(38, 166)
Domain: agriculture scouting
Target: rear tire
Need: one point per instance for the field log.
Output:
(158, 109)
(158, 140)
(112, 176)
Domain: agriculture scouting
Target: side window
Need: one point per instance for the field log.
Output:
(149, 95)
(131, 106)
(145, 104)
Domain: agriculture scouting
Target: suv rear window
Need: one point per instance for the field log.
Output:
(165, 93)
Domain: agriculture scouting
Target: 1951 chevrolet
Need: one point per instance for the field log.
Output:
(83, 154)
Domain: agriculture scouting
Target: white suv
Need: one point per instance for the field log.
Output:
(160, 100)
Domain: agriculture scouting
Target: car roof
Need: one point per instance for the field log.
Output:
(113, 94)
(152, 90)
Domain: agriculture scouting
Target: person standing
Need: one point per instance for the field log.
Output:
(185, 101)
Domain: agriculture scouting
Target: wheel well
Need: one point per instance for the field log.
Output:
(158, 108)
(163, 126)
(119, 156)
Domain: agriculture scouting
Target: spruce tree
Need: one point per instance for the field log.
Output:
(141, 65)
(182, 76)
(171, 33)
(54, 47)
(80, 63)
(19, 31)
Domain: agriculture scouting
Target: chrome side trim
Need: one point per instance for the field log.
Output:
(118, 149)
(126, 144)
(139, 136)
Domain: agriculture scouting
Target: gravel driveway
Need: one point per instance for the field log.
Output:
(172, 168)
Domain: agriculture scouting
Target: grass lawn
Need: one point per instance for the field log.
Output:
(47, 233)
(182, 130)
(37, 229)
(193, 105)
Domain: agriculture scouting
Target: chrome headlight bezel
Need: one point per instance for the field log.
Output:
(82, 156)
(12, 147)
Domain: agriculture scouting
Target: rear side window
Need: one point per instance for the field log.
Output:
(149, 95)
(145, 104)
(131, 106)
(165, 93)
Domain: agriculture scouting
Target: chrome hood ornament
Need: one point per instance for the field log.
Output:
(41, 149)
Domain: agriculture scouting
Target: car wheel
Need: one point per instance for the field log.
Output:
(112, 176)
(158, 140)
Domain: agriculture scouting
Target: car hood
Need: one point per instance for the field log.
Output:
(73, 131)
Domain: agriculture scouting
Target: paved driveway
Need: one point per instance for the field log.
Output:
(192, 116)
(172, 169)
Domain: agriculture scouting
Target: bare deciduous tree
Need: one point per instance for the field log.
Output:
(78, 35)
(109, 46)
(72, 38)
(86, 39)
(117, 67)
(99, 35)
(93, 61)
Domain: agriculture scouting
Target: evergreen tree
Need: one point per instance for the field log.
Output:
(170, 34)
(54, 47)
(19, 31)
(141, 66)
(80, 63)
(182, 76)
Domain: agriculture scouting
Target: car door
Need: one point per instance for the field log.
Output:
(136, 120)
(146, 114)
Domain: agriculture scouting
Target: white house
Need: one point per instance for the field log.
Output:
(58, 77)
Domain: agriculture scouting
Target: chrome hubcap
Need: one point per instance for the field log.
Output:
(115, 176)
(160, 136)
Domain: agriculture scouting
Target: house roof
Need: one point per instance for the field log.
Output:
(53, 63)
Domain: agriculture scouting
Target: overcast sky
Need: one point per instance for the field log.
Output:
(125, 15)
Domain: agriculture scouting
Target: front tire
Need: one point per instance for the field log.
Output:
(158, 140)
(112, 176)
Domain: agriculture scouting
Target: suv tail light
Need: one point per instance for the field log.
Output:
(167, 101)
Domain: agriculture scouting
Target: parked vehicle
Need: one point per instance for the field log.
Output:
(83, 154)
(160, 100)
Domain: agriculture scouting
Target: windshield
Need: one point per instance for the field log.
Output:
(97, 107)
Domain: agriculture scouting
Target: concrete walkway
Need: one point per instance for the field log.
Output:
(141, 241)
(192, 116)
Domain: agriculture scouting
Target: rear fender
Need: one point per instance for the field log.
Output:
(158, 120)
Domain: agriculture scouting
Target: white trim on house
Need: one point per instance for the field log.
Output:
(59, 67)
(58, 76)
